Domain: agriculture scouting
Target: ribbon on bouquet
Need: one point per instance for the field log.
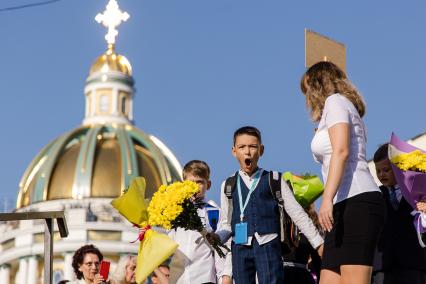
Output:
(419, 221)
(142, 233)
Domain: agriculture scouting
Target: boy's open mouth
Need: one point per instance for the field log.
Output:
(247, 161)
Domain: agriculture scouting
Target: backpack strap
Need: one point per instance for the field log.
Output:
(288, 231)
(230, 184)
(275, 186)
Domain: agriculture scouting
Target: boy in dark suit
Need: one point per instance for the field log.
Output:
(250, 214)
(400, 258)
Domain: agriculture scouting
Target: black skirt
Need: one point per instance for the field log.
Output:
(297, 275)
(358, 222)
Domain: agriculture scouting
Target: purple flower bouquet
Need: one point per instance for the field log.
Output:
(407, 164)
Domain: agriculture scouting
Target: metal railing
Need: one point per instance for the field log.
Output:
(49, 217)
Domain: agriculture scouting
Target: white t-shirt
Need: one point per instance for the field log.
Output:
(357, 177)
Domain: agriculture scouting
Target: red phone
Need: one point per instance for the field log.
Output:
(104, 270)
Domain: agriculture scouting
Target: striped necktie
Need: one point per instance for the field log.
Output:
(392, 197)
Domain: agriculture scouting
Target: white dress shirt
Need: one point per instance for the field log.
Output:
(193, 262)
(291, 206)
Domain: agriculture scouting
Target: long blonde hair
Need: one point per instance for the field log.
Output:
(324, 79)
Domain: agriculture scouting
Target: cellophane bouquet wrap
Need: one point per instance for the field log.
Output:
(306, 188)
(409, 166)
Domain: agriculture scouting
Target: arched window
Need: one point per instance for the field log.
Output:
(123, 105)
(104, 103)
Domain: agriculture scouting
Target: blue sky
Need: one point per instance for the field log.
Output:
(204, 68)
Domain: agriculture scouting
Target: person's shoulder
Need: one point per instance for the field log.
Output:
(335, 99)
(230, 180)
(232, 175)
(272, 171)
(211, 204)
(383, 189)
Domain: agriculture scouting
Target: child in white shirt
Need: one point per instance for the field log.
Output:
(194, 262)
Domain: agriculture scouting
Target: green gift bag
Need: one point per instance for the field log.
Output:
(306, 189)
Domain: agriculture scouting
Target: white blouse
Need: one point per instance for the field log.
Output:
(357, 177)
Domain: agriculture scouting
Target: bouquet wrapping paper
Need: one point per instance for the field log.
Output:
(411, 182)
(306, 189)
(154, 247)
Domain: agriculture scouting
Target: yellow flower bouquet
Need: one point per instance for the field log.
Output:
(170, 207)
(412, 161)
(173, 207)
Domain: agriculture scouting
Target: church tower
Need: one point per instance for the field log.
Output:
(82, 170)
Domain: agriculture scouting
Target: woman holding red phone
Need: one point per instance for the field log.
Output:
(86, 263)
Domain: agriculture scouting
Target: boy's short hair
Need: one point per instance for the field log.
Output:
(249, 130)
(381, 153)
(196, 168)
(165, 265)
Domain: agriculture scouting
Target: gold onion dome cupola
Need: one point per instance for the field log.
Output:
(110, 62)
(99, 158)
(97, 161)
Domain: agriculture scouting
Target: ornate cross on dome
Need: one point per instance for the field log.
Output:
(112, 18)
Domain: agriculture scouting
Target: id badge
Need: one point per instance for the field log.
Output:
(240, 234)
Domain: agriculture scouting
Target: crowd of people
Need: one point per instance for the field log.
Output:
(86, 265)
(361, 234)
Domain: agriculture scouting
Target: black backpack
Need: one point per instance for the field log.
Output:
(289, 233)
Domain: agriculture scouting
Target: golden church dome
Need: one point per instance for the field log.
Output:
(111, 61)
(97, 161)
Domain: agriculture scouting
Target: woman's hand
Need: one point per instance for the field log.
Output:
(325, 215)
(98, 279)
(421, 206)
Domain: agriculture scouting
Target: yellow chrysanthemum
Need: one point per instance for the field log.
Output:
(166, 203)
(413, 161)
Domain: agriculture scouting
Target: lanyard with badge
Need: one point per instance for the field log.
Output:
(241, 228)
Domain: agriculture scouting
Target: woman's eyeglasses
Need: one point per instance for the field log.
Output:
(90, 264)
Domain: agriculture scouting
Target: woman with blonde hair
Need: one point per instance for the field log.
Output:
(125, 271)
(352, 211)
